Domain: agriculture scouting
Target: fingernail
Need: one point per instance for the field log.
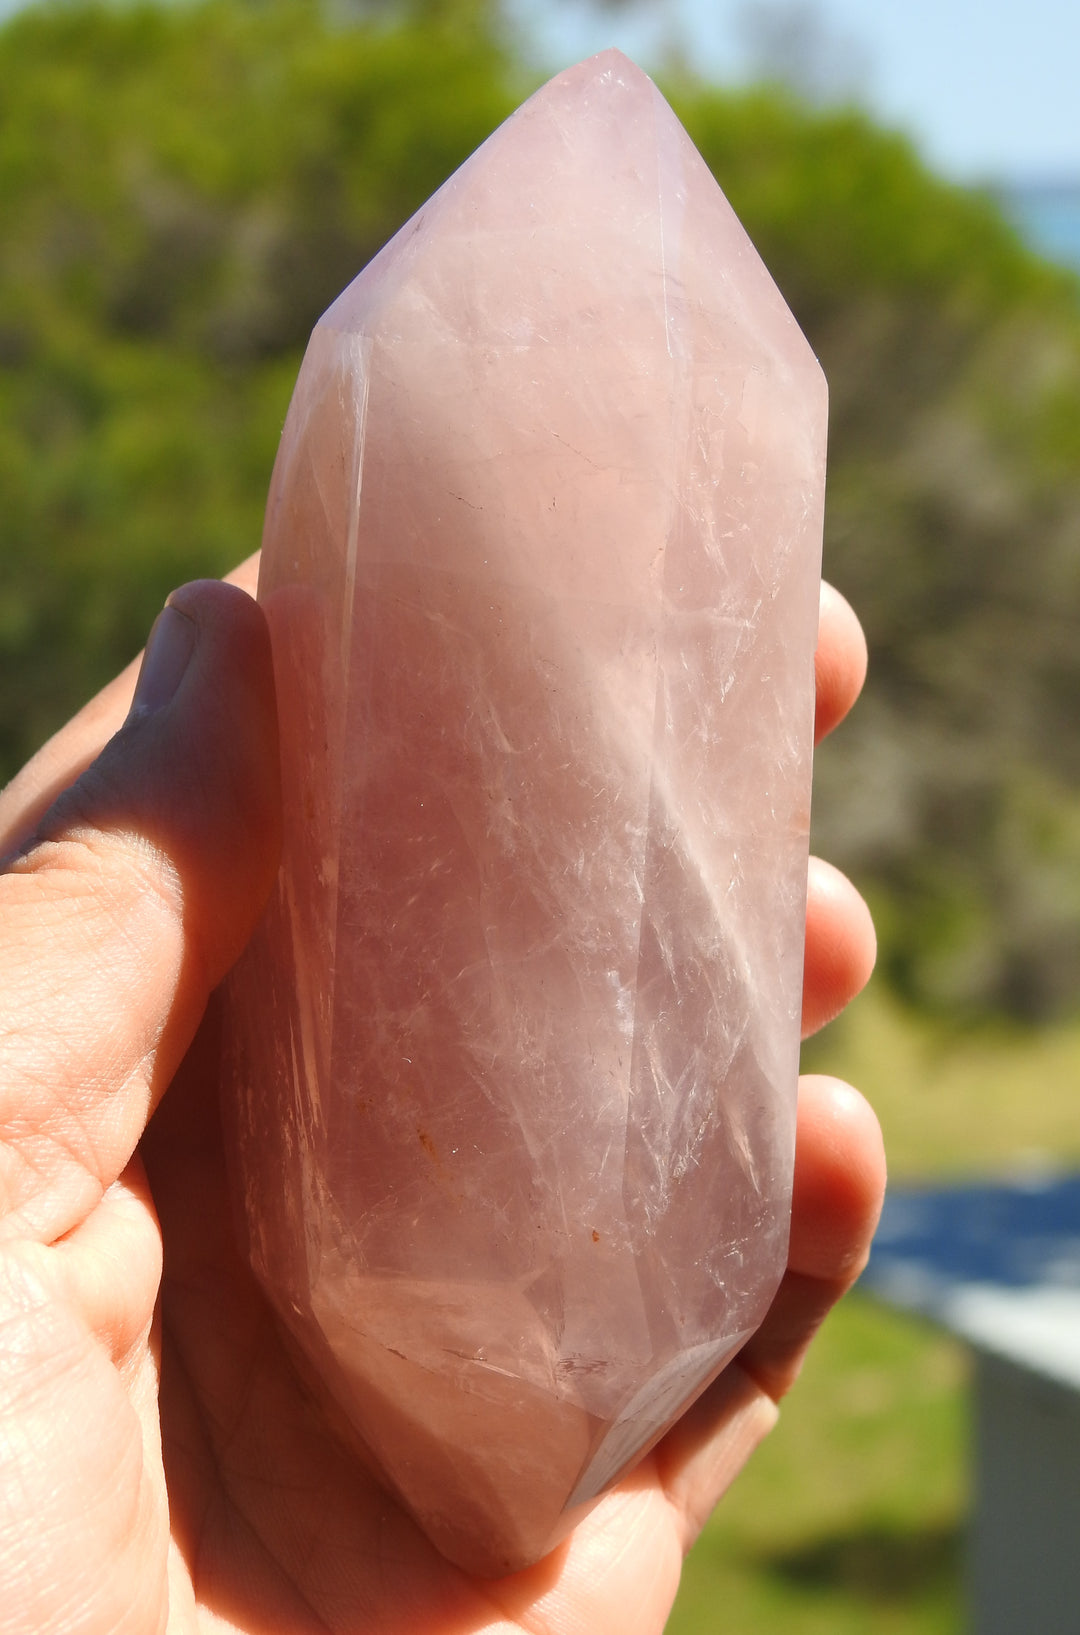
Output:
(168, 652)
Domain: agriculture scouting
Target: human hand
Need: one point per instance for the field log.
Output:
(163, 1468)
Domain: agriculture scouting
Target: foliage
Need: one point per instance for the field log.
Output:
(183, 188)
(182, 191)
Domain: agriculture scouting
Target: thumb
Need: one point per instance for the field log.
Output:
(138, 890)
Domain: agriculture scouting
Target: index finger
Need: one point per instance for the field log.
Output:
(840, 661)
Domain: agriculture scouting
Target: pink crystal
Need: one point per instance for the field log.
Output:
(517, 1042)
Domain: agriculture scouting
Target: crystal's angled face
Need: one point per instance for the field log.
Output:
(516, 1046)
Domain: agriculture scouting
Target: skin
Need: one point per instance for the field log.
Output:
(162, 1467)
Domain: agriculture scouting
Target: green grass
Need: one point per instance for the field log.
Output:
(998, 1099)
(850, 1518)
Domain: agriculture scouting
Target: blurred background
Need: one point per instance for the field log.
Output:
(184, 187)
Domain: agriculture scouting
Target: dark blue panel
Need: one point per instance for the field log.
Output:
(1018, 1236)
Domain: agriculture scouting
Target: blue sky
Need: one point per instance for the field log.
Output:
(989, 88)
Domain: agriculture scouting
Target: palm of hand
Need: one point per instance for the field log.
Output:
(166, 1466)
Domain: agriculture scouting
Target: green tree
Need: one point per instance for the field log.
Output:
(182, 191)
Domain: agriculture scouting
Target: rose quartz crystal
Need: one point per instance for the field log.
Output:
(516, 1045)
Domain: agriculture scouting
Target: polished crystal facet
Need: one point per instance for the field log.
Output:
(515, 1047)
